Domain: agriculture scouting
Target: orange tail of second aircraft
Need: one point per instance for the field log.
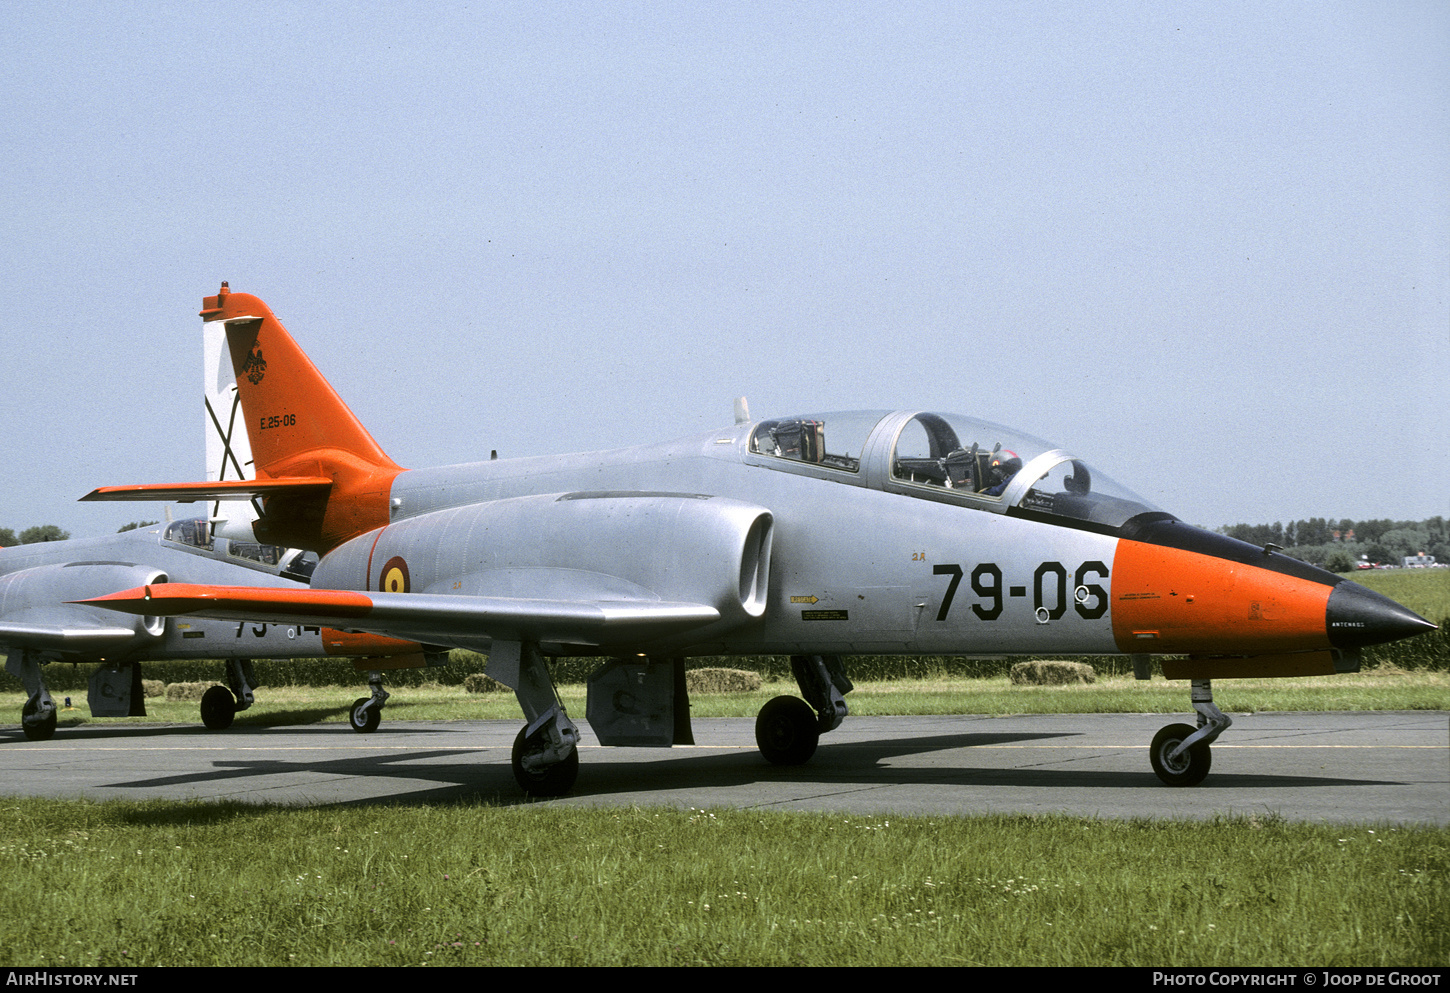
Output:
(301, 430)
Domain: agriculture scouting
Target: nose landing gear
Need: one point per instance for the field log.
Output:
(1179, 754)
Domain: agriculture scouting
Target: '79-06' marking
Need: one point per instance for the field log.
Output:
(1050, 598)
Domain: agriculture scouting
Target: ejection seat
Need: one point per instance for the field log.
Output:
(802, 441)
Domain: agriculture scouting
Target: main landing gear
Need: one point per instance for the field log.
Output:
(220, 704)
(1179, 753)
(788, 728)
(38, 717)
(218, 708)
(533, 769)
(643, 702)
(545, 755)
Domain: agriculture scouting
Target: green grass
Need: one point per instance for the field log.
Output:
(148, 884)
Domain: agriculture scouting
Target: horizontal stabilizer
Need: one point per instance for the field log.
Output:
(231, 489)
(428, 618)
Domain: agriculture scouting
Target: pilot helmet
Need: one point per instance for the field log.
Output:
(1005, 463)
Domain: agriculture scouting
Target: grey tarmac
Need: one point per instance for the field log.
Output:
(1359, 767)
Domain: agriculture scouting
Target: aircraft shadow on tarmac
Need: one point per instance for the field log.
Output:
(483, 773)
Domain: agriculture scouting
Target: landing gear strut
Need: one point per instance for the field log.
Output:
(1179, 754)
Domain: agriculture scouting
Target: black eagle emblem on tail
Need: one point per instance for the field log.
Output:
(255, 367)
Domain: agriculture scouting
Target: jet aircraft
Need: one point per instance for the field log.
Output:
(817, 536)
(40, 622)
(38, 626)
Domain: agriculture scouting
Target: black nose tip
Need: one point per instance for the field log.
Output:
(1357, 617)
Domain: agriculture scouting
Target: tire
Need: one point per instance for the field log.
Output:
(1190, 768)
(786, 731)
(40, 730)
(218, 707)
(364, 721)
(554, 780)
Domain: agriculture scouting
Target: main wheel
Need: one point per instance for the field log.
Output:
(787, 731)
(37, 730)
(218, 707)
(551, 780)
(364, 721)
(1188, 769)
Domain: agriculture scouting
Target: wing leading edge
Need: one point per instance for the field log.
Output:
(429, 618)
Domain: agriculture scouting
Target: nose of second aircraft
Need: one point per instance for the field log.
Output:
(1357, 617)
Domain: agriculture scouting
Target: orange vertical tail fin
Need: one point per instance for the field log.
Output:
(300, 427)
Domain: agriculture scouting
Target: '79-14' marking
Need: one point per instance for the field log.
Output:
(1050, 597)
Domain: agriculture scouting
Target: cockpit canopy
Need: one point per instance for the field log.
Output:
(803, 439)
(951, 458)
(292, 563)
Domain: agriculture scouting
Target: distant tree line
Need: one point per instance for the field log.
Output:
(50, 532)
(41, 532)
(1338, 545)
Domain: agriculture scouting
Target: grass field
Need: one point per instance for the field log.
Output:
(186, 884)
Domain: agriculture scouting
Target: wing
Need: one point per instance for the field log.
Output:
(36, 612)
(68, 631)
(435, 619)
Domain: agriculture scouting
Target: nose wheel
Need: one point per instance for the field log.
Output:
(1175, 765)
(1179, 753)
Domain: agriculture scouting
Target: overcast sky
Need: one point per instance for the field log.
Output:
(1206, 246)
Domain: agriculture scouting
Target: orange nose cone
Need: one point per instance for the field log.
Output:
(1204, 594)
(1179, 602)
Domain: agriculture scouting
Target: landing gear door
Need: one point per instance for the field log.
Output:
(116, 692)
